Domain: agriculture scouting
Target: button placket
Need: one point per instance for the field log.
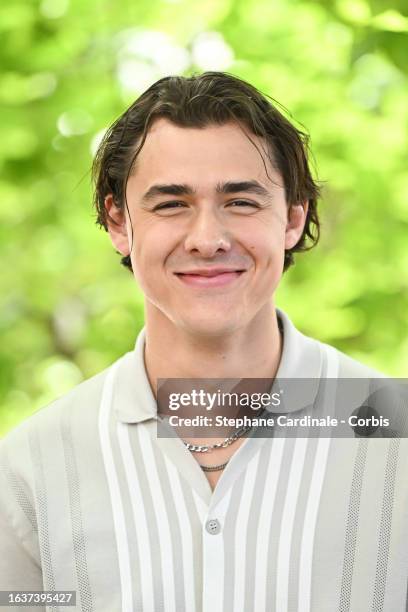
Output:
(213, 555)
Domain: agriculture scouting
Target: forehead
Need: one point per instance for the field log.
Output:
(201, 155)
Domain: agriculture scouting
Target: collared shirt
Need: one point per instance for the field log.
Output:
(93, 501)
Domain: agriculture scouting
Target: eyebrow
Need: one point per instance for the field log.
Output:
(182, 189)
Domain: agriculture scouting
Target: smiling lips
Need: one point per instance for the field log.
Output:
(209, 277)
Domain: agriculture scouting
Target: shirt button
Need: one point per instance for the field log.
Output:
(213, 526)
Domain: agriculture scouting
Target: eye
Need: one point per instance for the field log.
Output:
(242, 204)
(169, 205)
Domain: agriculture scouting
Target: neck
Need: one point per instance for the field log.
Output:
(253, 351)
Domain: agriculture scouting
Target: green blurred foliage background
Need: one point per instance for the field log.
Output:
(68, 309)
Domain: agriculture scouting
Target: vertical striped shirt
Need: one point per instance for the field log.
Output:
(92, 500)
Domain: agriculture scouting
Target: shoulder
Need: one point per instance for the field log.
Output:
(347, 366)
(80, 406)
(41, 446)
(306, 357)
(376, 394)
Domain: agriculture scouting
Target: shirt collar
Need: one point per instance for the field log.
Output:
(133, 399)
(301, 356)
(134, 402)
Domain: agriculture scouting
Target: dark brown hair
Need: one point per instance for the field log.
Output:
(199, 101)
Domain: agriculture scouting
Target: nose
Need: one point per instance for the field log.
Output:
(207, 235)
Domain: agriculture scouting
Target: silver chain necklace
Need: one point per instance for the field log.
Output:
(207, 448)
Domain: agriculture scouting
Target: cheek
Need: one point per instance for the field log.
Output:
(267, 247)
(268, 253)
(149, 255)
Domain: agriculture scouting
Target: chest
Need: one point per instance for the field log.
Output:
(297, 524)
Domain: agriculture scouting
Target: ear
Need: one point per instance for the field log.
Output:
(295, 224)
(116, 222)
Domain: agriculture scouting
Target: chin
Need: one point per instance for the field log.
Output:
(210, 327)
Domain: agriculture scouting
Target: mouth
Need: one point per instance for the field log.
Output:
(209, 278)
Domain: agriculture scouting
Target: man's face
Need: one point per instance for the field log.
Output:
(210, 227)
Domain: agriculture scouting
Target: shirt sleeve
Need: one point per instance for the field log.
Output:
(20, 567)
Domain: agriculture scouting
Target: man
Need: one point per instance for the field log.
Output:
(205, 190)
